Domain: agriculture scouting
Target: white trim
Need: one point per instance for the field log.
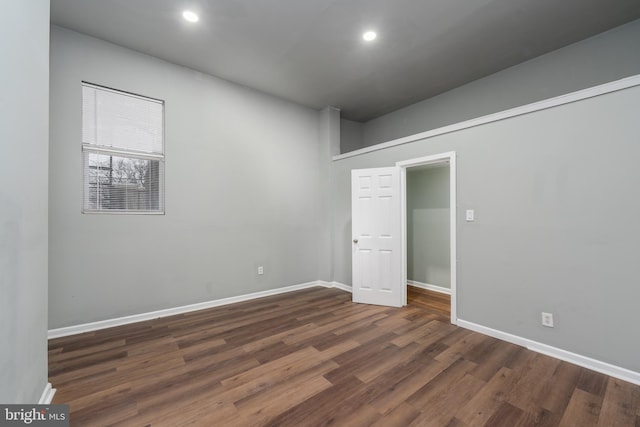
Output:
(558, 353)
(99, 149)
(450, 158)
(110, 323)
(340, 286)
(122, 92)
(568, 98)
(334, 284)
(429, 287)
(47, 395)
(403, 231)
(119, 212)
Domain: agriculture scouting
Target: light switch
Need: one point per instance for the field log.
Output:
(470, 215)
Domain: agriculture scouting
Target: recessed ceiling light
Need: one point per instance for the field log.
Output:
(190, 16)
(369, 36)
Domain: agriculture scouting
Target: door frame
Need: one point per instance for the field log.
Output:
(450, 159)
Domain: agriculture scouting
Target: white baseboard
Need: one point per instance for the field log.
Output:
(577, 359)
(336, 285)
(434, 288)
(110, 323)
(341, 286)
(47, 395)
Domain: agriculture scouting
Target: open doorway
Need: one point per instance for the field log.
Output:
(429, 229)
(428, 242)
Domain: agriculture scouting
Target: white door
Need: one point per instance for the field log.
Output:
(376, 233)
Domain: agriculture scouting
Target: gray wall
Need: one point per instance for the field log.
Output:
(606, 57)
(350, 135)
(428, 222)
(555, 196)
(244, 186)
(24, 135)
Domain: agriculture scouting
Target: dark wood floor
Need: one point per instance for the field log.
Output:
(313, 358)
(435, 302)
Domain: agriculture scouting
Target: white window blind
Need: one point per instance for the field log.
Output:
(123, 151)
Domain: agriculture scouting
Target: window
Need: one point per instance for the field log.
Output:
(123, 151)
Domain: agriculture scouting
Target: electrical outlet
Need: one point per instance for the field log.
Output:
(261, 270)
(471, 215)
(547, 320)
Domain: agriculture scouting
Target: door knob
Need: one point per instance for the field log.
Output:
(355, 240)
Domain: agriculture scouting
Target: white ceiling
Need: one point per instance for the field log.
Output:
(311, 51)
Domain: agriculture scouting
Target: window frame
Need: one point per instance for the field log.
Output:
(86, 148)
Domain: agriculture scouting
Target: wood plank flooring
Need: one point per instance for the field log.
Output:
(435, 302)
(313, 358)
